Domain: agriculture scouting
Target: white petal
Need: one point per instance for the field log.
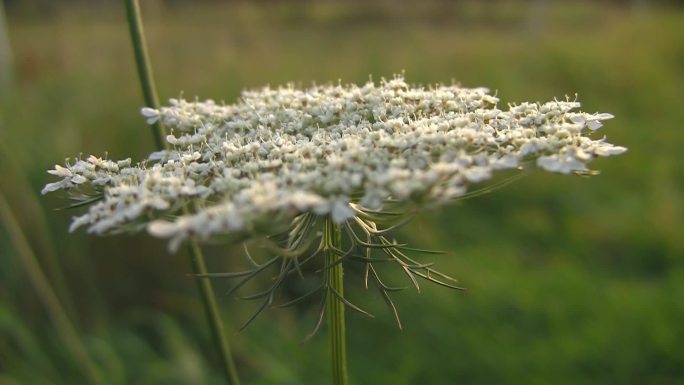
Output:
(604, 116)
(505, 162)
(55, 186)
(157, 155)
(341, 212)
(549, 163)
(174, 244)
(322, 208)
(78, 222)
(578, 119)
(477, 174)
(172, 139)
(594, 124)
(609, 149)
(60, 171)
(162, 229)
(78, 179)
(151, 114)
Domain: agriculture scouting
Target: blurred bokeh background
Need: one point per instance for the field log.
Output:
(572, 280)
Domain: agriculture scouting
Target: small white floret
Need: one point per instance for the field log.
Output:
(151, 114)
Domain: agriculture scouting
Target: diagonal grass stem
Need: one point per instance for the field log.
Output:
(46, 294)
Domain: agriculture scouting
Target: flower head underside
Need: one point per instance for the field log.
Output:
(325, 150)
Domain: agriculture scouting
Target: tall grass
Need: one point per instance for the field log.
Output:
(46, 294)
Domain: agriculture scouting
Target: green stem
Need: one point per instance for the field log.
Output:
(197, 258)
(44, 245)
(335, 307)
(142, 61)
(213, 314)
(46, 294)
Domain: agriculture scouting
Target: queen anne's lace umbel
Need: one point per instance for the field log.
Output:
(326, 150)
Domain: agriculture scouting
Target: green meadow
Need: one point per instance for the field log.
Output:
(571, 280)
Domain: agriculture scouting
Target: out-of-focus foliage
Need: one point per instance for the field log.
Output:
(572, 280)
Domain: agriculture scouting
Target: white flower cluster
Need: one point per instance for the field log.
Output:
(281, 152)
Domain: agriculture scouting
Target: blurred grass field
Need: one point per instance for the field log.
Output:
(572, 280)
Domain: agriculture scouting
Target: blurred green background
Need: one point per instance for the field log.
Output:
(572, 280)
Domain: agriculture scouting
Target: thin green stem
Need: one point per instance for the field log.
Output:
(44, 246)
(335, 307)
(142, 61)
(196, 257)
(213, 314)
(46, 294)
